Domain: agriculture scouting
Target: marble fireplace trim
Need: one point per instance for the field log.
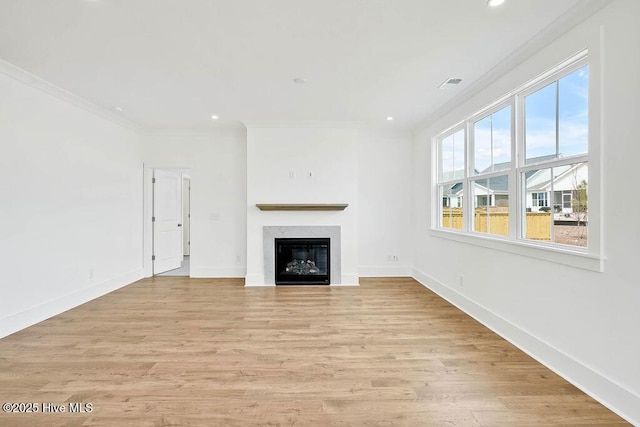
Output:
(270, 233)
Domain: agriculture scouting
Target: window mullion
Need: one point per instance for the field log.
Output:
(557, 119)
(553, 208)
(467, 202)
(517, 150)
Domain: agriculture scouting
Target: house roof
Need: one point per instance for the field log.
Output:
(536, 179)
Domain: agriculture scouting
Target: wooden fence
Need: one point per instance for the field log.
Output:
(497, 222)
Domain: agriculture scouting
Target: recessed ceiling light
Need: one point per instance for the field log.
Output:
(299, 80)
(214, 117)
(494, 3)
(389, 118)
(118, 108)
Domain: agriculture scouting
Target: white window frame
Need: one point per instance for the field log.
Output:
(589, 258)
(545, 198)
(509, 102)
(441, 184)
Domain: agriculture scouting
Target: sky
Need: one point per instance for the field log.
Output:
(540, 117)
(492, 134)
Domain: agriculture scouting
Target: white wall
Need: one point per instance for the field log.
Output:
(583, 324)
(330, 154)
(217, 163)
(385, 160)
(71, 195)
(371, 163)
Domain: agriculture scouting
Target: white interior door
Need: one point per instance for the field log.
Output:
(186, 216)
(167, 220)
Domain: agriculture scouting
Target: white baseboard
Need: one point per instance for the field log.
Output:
(217, 272)
(255, 280)
(349, 280)
(604, 390)
(394, 271)
(18, 321)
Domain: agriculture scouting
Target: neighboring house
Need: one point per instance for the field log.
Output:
(561, 190)
(492, 192)
(564, 193)
(452, 198)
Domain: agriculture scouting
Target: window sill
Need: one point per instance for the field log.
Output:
(559, 255)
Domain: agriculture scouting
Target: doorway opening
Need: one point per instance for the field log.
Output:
(170, 221)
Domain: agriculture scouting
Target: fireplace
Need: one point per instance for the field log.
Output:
(302, 261)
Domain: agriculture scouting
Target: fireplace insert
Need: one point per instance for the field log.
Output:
(302, 261)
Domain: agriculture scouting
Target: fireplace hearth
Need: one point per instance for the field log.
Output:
(302, 261)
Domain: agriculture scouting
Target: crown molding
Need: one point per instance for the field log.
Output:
(555, 30)
(23, 76)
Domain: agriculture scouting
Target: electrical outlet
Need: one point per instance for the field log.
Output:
(292, 175)
(461, 277)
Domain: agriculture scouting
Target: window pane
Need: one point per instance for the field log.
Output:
(537, 219)
(491, 205)
(458, 154)
(502, 139)
(482, 145)
(446, 158)
(570, 217)
(564, 222)
(452, 206)
(492, 142)
(540, 124)
(573, 112)
(452, 156)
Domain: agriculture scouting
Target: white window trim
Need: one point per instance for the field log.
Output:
(590, 258)
(558, 254)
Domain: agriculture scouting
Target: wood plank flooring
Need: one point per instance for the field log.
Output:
(174, 351)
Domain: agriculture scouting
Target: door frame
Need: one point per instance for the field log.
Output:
(147, 212)
(186, 209)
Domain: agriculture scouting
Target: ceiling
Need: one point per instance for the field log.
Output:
(171, 64)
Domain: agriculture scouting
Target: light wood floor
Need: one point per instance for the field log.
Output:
(176, 351)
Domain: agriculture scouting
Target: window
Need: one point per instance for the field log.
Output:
(452, 164)
(539, 200)
(491, 141)
(522, 164)
(452, 156)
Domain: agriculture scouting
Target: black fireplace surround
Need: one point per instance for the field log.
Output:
(302, 261)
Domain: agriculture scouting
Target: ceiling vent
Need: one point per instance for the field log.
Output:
(449, 83)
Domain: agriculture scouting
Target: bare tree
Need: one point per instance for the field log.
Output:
(579, 204)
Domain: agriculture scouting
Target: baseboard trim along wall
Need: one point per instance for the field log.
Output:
(217, 272)
(18, 321)
(375, 271)
(349, 279)
(609, 393)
